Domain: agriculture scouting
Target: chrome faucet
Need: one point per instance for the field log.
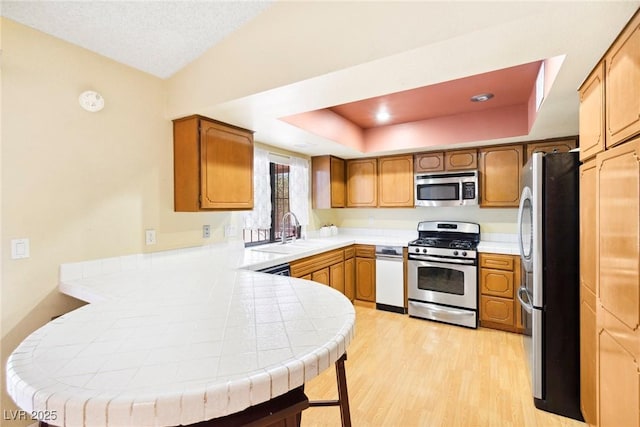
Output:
(284, 217)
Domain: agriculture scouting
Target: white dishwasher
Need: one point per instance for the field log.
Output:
(389, 279)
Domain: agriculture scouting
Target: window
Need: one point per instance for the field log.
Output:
(279, 180)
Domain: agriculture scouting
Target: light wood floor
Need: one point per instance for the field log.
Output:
(407, 372)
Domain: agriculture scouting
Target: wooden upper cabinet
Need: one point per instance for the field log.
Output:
(622, 81)
(500, 175)
(213, 165)
(328, 182)
(395, 181)
(446, 161)
(591, 94)
(461, 160)
(429, 162)
(556, 146)
(362, 180)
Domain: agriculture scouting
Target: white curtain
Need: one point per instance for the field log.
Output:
(260, 216)
(299, 189)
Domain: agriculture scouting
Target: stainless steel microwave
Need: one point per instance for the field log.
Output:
(446, 189)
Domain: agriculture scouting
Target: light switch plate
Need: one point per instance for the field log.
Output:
(206, 231)
(150, 236)
(19, 248)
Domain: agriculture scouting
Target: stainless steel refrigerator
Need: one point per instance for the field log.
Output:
(549, 295)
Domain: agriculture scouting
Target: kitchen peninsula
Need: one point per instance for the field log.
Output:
(181, 339)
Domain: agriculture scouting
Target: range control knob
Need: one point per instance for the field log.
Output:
(417, 250)
(464, 253)
(455, 253)
(424, 250)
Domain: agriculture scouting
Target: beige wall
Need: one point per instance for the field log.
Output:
(79, 185)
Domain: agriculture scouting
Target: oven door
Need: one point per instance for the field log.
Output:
(452, 282)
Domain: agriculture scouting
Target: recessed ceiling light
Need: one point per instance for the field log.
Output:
(383, 116)
(481, 97)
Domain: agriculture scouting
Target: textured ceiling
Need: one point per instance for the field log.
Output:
(158, 37)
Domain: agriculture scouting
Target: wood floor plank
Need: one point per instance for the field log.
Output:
(403, 371)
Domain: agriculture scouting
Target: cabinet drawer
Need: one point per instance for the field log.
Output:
(310, 264)
(496, 310)
(365, 251)
(496, 282)
(349, 252)
(497, 261)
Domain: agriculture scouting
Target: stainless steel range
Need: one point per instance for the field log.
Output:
(443, 272)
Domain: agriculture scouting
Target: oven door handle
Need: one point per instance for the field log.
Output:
(443, 260)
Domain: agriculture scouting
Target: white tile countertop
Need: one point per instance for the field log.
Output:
(176, 338)
(182, 336)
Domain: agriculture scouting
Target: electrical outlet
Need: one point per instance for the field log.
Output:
(150, 236)
(206, 231)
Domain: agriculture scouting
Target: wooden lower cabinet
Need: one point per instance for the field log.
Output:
(350, 273)
(365, 267)
(336, 276)
(618, 285)
(321, 276)
(496, 310)
(499, 279)
(326, 268)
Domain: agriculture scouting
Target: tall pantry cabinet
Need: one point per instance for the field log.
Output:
(610, 235)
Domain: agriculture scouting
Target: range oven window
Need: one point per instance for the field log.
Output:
(441, 279)
(450, 191)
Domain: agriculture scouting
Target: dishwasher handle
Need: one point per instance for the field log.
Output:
(389, 257)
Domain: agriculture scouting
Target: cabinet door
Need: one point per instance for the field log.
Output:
(500, 176)
(618, 284)
(622, 80)
(588, 262)
(362, 178)
(560, 146)
(338, 193)
(350, 278)
(591, 114)
(321, 276)
(226, 161)
(429, 162)
(460, 160)
(336, 276)
(496, 282)
(366, 279)
(328, 184)
(497, 310)
(395, 181)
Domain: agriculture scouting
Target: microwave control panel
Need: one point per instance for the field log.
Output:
(468, 190)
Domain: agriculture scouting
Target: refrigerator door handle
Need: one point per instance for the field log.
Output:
(522, 291)
(524, 196)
